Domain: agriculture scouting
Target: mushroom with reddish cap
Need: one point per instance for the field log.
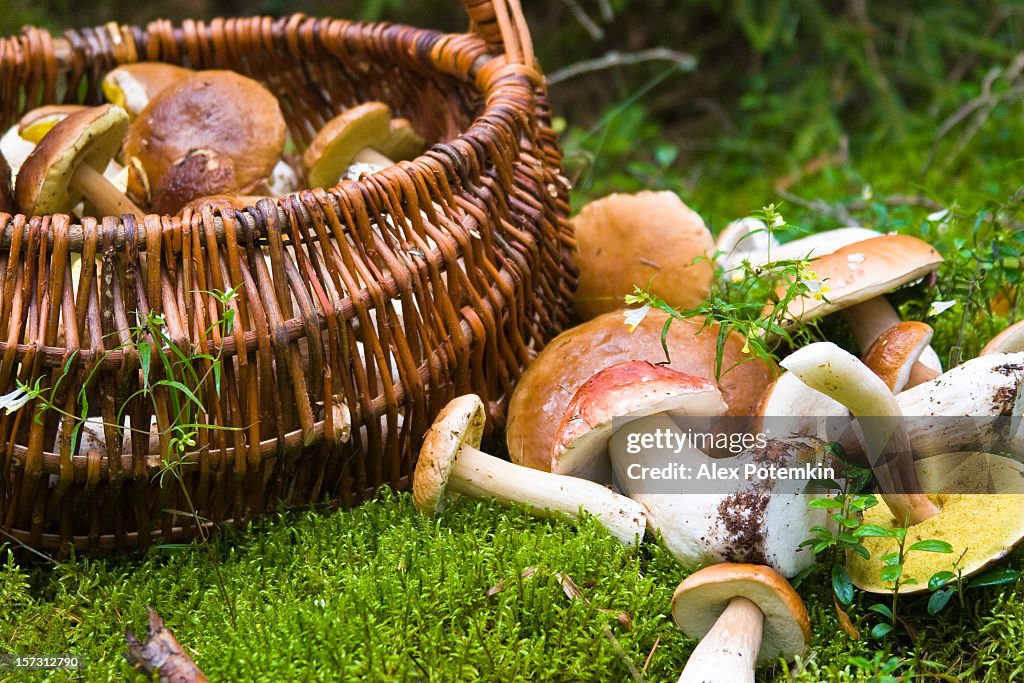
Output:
(132, 86)
(545, 389)
(68, 165)
(450, 463)
(625, 240)
(894, 353)
(231, 118)
(858, 275)
(745, 615)
(627, 390)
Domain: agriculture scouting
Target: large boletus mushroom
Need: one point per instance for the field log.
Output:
(626, 390)
(628, 240)
(745, 616)
(904, 484)
(68, 165)
(231, 116)
(132, 86)
(451, 464)
(543, 392)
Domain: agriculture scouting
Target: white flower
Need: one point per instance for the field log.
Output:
(938, 215)
(816, 288)
(635, 316)
(867, 193)
(940, 306)
(15, 400)
(778, 221)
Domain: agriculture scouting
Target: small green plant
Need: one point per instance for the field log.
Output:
(892, 569)
(751, 300)
(881, 668)
(846, 506)
(945, 584)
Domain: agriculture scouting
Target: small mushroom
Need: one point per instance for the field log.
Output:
(893, 355)
(347, 138)
(545, 389)
(20, 139)
(625, 240)
(615, 394)
(226, 113)
(132, 86)
(861, 273)
(450, 463)
(68, 165)
(745, 615)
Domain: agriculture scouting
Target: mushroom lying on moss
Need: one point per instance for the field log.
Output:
(450, 464)
(903, 484)
(745, 616)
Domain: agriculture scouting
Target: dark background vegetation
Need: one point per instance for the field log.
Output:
(778, 83)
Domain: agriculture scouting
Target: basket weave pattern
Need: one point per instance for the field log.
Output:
(375, 301)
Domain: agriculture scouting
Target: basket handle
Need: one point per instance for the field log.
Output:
(503, 27)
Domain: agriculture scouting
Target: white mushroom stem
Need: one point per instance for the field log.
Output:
(102, 193)
(834, 372)
(868, 320)
(479, 475)
(729, 651)
(368, 155)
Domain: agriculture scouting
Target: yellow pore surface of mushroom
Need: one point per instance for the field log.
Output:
(984, 524)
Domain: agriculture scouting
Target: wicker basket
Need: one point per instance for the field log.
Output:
(377, 301)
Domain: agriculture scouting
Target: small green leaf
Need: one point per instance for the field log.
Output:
(842, 586)
(861, 550)
(932, 545)
(940, 579)
(873, 531)
(939, 599)
(891, 558)
(145, 351)
(891, 573)
(995, 577)
(881, 631)
(820, 503)
(882, 609)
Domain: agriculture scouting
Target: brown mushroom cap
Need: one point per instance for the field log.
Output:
(703, 596)
(7, 203)
(36, 123)
(1010, 340)
(627, 240)
(337, 143)
(218, 110)
(864, 270)
(90, 136)
(460, 423)
(545, 389)
(200, 173)
(894, 352)
(631, 389)
(132, 86)
(982, 500)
